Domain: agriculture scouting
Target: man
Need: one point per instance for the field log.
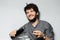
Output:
(36, 29)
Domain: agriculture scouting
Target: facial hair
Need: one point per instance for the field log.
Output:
(34, 19)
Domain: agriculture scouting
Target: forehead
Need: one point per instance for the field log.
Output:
(31, 9)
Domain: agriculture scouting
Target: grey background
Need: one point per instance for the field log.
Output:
(12, 15)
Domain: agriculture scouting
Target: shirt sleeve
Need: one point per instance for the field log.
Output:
(49, 32)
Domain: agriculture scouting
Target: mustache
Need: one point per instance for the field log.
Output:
(31, 15)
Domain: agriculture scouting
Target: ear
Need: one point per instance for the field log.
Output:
(37, 13)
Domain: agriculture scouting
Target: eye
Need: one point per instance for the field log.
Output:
(27, 12)
(31, 11)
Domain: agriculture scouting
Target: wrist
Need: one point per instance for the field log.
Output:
(44, 36)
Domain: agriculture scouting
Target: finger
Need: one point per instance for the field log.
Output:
(35, 33)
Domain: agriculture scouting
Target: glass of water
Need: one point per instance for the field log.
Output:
(24, 37)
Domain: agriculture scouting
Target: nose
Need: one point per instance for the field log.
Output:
(29, 13)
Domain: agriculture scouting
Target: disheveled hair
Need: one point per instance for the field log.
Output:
(34, 7)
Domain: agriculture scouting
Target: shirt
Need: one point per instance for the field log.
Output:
(43, 26)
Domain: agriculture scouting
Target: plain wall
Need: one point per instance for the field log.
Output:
(12, 15)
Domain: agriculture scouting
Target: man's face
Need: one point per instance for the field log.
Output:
(31, 14)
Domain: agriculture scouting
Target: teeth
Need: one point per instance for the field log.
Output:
(30, 16)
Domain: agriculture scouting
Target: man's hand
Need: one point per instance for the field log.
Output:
(13, 33)
(38, 33)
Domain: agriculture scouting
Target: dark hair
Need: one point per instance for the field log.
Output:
(33, 6)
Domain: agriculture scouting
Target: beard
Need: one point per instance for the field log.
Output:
(34, 19)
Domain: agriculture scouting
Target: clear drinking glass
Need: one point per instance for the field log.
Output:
(24, 37)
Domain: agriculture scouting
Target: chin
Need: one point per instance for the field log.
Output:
(32, 20)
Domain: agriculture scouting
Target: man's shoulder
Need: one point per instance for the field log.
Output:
(26, 24)
(45, 23)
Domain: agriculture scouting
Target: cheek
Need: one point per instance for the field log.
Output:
(31, 14)
(27, 15)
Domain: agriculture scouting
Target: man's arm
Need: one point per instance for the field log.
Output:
(49, 33)
(15, 33)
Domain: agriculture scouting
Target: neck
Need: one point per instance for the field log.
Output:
(35, 23)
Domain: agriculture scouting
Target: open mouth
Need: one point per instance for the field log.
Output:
(30, 17)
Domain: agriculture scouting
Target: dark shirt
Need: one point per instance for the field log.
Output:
(43, 26)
